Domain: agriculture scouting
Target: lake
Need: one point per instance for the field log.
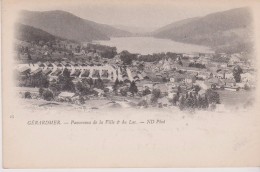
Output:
(150, 45)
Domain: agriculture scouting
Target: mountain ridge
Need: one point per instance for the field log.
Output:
(29, 34)
(215, 30)
(69, 26)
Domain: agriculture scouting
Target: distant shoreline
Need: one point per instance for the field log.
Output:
(145, 45)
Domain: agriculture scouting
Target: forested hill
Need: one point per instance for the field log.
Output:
(66, 25)
(29, 34)
(227, 30)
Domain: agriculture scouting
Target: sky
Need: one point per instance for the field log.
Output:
(144, 14)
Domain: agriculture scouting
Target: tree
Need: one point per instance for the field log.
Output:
(123, 91)
(99, 84)
(156, 93)
(175, 98)
(127, 57)
(182, 103)
(188, 103)
(65, 81)
(179, 89)
(82, 88)
(133, 88)
(55, 88)
(47, 95)
(90, 82)
(140, 67)
(81, 100)
(116, 82)
(115, 86)
(27, 95)
(41, 90)
(146, 91)
(200, 102)
(212, 96)
(143, 103)
(195, 102)
(205, 103)
(237, 70)
(43, 81)
(197, 88)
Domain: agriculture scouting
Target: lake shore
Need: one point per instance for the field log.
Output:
(150, 45)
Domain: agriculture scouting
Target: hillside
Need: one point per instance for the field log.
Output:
(29, 33)
(220, 30)
(69, 26)
(135, 30)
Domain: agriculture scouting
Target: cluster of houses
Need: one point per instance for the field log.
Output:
(76, 69)
(168, 75)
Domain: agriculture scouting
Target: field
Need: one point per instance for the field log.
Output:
(238, 99)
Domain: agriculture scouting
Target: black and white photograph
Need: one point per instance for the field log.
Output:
(130, 84)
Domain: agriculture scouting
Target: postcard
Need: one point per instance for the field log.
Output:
(109, 83)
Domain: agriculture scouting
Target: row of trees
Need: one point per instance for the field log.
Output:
(123, 90)
(197, 65)
(158, 56)
(194, 101)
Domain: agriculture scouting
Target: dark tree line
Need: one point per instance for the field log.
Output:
(192, 101)
(197, 65)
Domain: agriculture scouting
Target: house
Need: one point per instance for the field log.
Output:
(144, 75)
(24, 70)
(230, 82)
(179, 77)
(79, 63)
(97, 63)
(66, 64)
(57, 72)
(25, 56)
(76, 80)
(220, 74)
(109, 88)
(229, 75)
(104, 73)
(41, 65)
(86, 63)
(190, 79)
(49, 65)
(59, 65)
(47, 72)
(83, 64)
(95, 73)
(85, 73)
(201, 84)
(162, 87)
(72, 63)
(140, 76)
(234, 60)
(143, 84)
(135, 76)
(76, 73)
(82, 52)
(214, 83)
(36, 72)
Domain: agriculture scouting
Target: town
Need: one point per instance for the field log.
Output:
(68, 72)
